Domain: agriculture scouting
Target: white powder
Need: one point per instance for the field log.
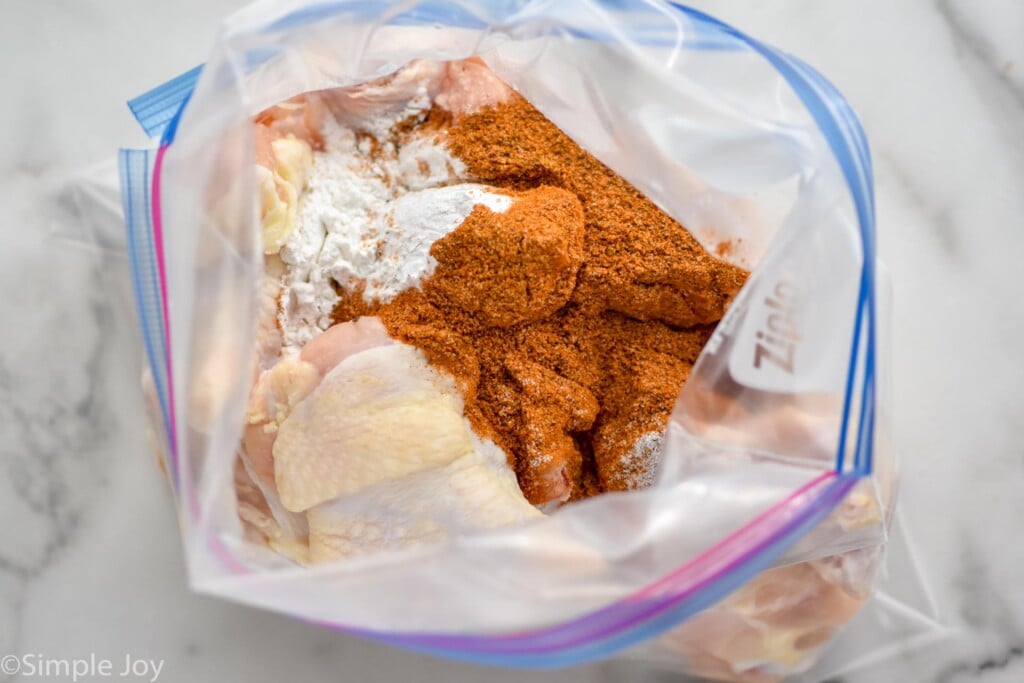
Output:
(642, 460)
(370, 219)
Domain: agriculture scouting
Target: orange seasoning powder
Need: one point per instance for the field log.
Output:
(571, 321)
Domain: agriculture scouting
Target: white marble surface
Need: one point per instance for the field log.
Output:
(89, 560)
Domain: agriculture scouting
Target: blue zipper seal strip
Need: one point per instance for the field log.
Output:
(135, 168)
(156, 108)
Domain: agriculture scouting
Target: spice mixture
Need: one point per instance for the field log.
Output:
(571, 320)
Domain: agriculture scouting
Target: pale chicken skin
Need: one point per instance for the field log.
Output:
(363, 438)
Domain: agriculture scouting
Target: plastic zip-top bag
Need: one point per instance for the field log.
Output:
(759, 534)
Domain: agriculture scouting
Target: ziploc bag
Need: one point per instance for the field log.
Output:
(773, 478)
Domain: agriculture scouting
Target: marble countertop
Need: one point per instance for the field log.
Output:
(89, 559)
